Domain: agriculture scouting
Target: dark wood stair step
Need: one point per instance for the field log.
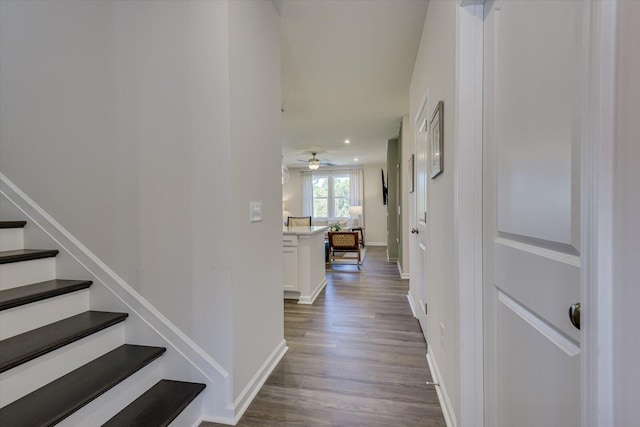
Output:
(158, 406)
(26, 255)
(22, 295)
(57, 400)
(29, 345)
(12, 224)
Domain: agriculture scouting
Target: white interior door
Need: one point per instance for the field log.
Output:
(420, 188)
(531, 137)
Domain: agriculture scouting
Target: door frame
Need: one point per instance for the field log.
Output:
(596, 189)
(597, 185)
(468, 209)
(422, 114)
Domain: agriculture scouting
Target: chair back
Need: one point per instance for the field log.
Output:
(344, 240)
(299, 221)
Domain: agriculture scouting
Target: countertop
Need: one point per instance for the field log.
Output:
(304, 230)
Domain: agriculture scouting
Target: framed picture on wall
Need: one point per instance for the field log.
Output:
(436, 141)
(411, 174)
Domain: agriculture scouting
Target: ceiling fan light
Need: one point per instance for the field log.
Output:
(314, 164)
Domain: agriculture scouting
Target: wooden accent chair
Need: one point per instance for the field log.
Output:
(341, 242)
(299, 221)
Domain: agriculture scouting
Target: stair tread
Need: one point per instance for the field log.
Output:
(12, 224)
(29, 345)
(21, 295)
(158, 406)
(62, 397)
(26, 255)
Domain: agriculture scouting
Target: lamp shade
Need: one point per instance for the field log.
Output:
(355, 210)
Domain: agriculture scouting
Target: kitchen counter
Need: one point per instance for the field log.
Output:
(303, 230)
(304, 262)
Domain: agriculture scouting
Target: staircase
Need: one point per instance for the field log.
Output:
(61, 362)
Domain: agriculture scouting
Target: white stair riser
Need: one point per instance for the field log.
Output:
(17, 274)
(30, 376)
(190, 415)
(17, 320)
(113, 401)
(11, 239)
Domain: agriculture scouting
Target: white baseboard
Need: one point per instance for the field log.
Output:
(247, 395)
(403, 275)
(376, 244)
(310, 299)
(443, 396)
(413, 309)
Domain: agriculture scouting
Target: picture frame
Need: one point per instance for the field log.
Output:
(436, 141)
(411, 174)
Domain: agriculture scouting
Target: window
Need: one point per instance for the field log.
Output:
(331, 196)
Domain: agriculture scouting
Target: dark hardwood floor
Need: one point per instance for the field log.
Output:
(356, 357)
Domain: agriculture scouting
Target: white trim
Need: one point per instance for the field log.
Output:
(310, 299)
(331, 169)
(423, 108)
(468, 209)
(565, 344)
(410, 298)
(213, 419)
(217, 377)
(465, 3)
(402, 274)
(391, 259)
(441, 391)
(597, 183)
(244, 399)
(377, 244)
(556, 256)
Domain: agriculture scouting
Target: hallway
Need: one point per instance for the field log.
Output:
(356, 357)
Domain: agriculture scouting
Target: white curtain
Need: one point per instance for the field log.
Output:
(307, 193)
(356, 191)
(355, 187)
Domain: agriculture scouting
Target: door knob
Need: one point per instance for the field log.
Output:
(574, 315)
(414, 231)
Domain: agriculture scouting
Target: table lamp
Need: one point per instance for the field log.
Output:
(355, 211)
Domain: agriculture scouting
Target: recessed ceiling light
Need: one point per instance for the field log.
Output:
(355, 160)
(347, 141)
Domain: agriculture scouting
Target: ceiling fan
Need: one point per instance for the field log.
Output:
(314, 163)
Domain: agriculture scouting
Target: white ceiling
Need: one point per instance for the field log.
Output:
(346, 70)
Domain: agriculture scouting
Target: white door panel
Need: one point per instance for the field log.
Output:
(543, 284)
(531, 195)
(535, 91)
(521, 388)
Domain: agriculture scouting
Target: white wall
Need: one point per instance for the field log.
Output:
(254, 53)
(119, 119)
(111, 124)
(626, 342)
(375, 216)
(434, 73)
(292, 194)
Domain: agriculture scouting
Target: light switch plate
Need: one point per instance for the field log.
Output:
(255, 209)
